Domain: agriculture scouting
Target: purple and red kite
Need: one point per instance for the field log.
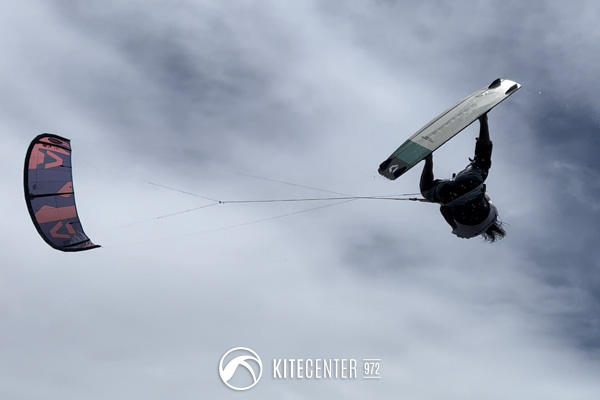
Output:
(49, 194)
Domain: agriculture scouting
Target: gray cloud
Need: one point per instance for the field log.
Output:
(267, 100)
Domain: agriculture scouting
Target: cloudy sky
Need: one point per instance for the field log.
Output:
(242, 100)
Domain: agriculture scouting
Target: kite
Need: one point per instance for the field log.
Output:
(49, 194)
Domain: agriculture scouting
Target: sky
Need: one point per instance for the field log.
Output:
(171, 105)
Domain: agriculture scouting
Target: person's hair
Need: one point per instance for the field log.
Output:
(494, 232)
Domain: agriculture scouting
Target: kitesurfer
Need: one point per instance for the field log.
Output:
(464, 204)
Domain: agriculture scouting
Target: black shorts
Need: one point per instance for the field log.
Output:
(446, 190)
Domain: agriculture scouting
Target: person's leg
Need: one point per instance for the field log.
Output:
(427, 176)
(484, 131)
(483, 148)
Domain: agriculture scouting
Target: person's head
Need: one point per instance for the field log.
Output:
(490, 229)
(494, 233)
(496, 230)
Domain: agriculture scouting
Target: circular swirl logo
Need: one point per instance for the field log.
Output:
(245, 358)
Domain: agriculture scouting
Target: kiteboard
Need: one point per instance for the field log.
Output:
(445, 126)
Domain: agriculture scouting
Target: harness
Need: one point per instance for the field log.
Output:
(465, 198)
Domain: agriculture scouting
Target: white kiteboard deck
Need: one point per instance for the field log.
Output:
(445, 126)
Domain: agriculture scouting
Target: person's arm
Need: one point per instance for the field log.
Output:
(448, 216)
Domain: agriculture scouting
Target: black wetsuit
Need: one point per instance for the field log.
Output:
(444, 191)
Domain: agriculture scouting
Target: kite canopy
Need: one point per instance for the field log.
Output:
(49, 194)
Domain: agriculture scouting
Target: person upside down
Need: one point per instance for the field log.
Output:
(464, 204)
